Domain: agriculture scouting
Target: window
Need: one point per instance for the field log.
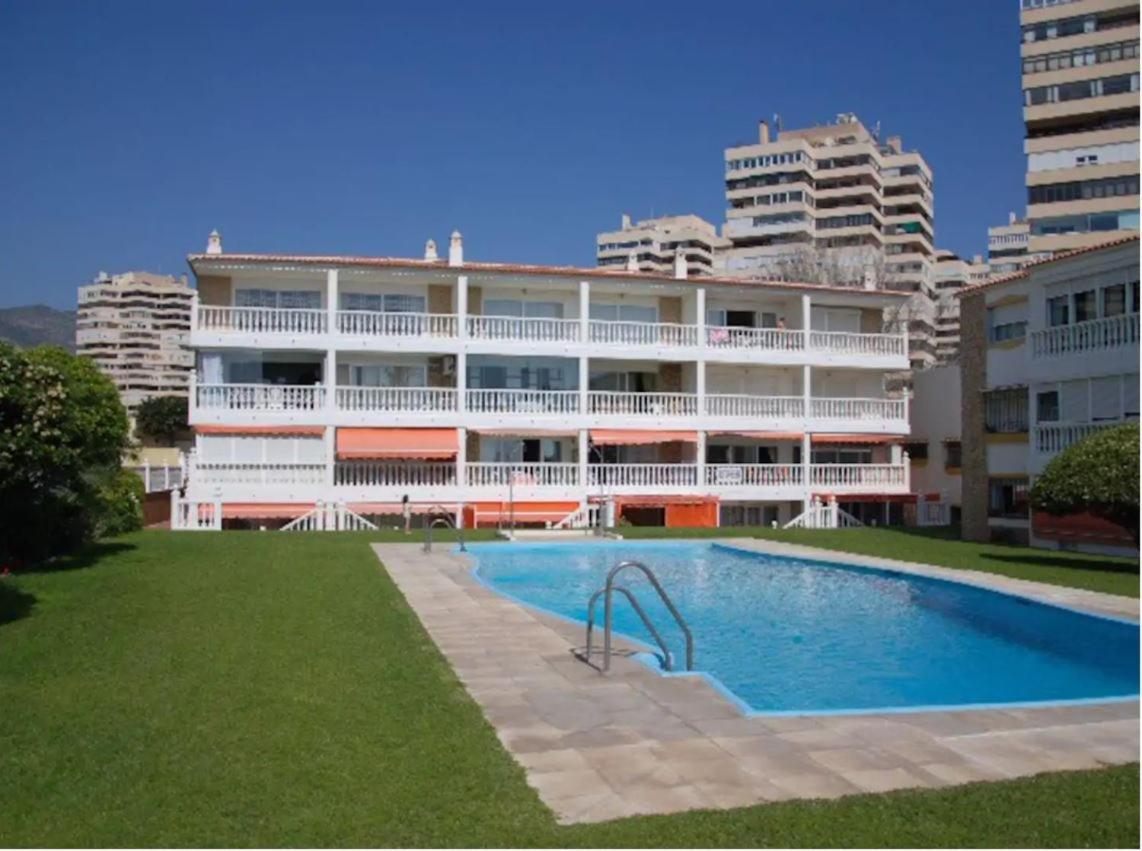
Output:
(624, 382)
(528, 309)
(387, 302)
(1007, 498)
(1009, 331)
(1114, 300)
(1086, 306)
(952, 454)
(917, 450)
(1058, 311)
(1047, 407)
(623, 313)
(292, 299)
(388, 375)
(1005, 411)
(842, 455)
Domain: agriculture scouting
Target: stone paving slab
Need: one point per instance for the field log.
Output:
(598, 747)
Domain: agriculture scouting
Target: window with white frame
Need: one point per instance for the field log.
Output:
(388, 375)
(623, 313)
(384, 302)
(283, 299)
(524, 309)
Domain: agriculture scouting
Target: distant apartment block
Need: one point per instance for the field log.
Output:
(837, 205)
(1007, 247)
(952, 274)
(136, 327)
(1080, 113)
(1049, 356)
(653, 245)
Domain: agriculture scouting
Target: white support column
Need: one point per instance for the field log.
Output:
(331, 300)
(192, 395)
(330, 381)
(807, 394)
(194, 313)
(806, 317)
(462, 460)
(700, 319)
(461, 379)
(462, 306)
(806, 485)
(807, 402)
(584, 311)
(330, 456)
(583, 466)
(584, 383)
(700, 386)
(700, 450)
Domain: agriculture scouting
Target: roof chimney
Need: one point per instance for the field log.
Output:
(430, 250)
(632, 262)
(626, 221)
(763, 132)
(214, 243)
(680, 265)
(456, 249)
(1011, 218)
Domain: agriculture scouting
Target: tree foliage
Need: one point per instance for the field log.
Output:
(162, 418)
(63, 432)
(1098, 475)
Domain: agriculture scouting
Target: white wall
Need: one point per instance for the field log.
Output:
(936, 416)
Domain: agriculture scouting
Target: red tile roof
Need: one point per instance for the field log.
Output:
(1024, 273)
(520, 269)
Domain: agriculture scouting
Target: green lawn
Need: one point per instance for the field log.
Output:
(942, 546)
(245, 688)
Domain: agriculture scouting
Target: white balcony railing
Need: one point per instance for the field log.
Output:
(1097, 335)
(235, 473)
(846, 343)
(523, 401)
(857, 475)
(757, 407)
(501, 475)
(260, 397)
(407, 399)
(531, 329)
(261, 320)
(1053, 439)
(753, 475)
(770, 339)
(394, 473)
(643, 475)
(643, 333)
(642, 404)
(370, 323)
(858, 409)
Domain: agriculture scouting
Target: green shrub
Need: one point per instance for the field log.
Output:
(120, 504)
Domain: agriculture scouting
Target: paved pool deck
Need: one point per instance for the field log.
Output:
(630, 742)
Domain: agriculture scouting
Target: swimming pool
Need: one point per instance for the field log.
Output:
(783, 635)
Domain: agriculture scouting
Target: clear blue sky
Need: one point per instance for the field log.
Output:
(132, 129)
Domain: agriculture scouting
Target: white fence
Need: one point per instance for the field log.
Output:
(643, 404)
(372, 323)
(643, 333)
(858, 475)
(260, 397)
(770, 339)
(261, 320)
(859, 409)
(408, 399)
(1112, 332)
(532, 329)
(756, 407)
(500, 475)
(615, 476)
(844, 342)
(159, 478)
(394, 473)
(227, 473)
(753, 475)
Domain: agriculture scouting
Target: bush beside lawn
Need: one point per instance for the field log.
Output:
(206, 689)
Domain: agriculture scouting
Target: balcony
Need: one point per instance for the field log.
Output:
(612, 478)
(259, 397)
(855, 478)
(730, 405)
(401, 474)
(261, 320)
(503, 476)
(369, 323)
(753, 475)
(858, 409)
(1050, 439)
(394, 399)
(515, 329)
(606, 403)
(656, 334)
(758, 339)
(544, 402)
(1112, 333)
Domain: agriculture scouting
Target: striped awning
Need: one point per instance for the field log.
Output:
(261, 429)
(398, 443)
(635, 437)
(857, 439)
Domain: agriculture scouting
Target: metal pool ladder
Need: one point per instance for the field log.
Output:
(607, 593)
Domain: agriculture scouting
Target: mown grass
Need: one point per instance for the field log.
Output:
(941, 546)
(246, 689)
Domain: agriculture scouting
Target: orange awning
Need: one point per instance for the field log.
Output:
(398, 508)
(265, 509)
(397, 442)
(262, 429)
(762, 435)
(857, 439)
(526, 432)
(630, 437)
(523, 512)
(658, 501)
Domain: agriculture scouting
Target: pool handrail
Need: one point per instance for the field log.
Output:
(607, 592)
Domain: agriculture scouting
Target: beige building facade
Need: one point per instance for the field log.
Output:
(654, 245)
(836, 204)
(136, 327)
(1080, 113)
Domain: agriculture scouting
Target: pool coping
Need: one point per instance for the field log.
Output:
(634, 741)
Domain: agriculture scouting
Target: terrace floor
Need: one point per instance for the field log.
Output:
(598, 747)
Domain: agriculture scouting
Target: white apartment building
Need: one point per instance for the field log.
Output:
(652, 245)
(934, 442)
(835, 204)
(1050, 355)
(501, 393)
(136, 327)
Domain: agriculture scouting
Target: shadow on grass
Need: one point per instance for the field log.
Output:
(89, 556)
(14, 603)
(1038, 560)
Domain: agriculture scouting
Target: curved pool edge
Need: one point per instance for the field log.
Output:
(649, 657)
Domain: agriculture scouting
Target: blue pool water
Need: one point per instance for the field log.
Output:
(785, 634)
